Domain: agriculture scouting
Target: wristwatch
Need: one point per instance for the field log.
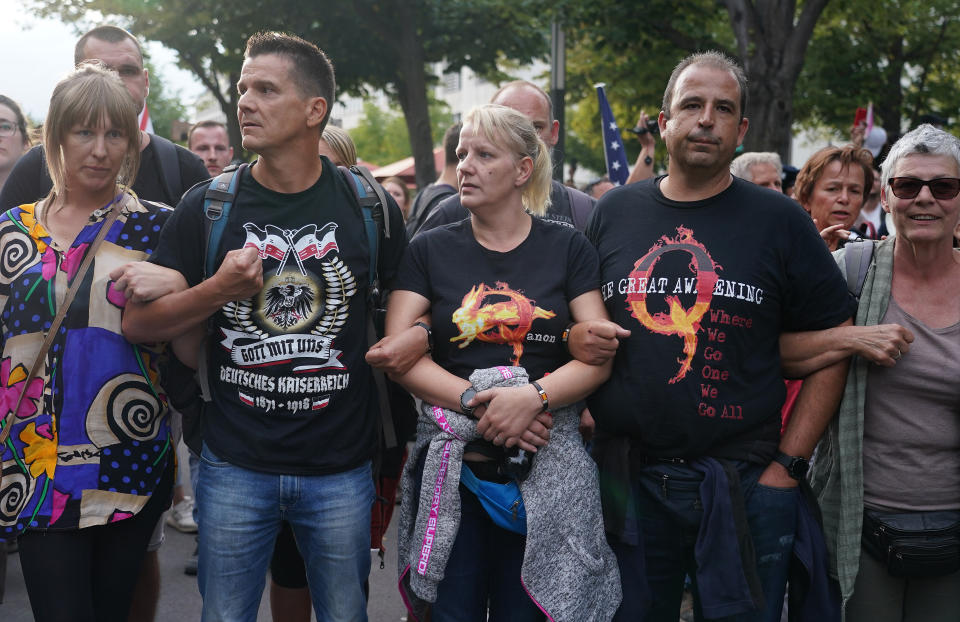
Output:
(426, 327)
(465, 397)
(796, 467)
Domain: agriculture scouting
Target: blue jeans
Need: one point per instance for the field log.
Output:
(669, 513)
(241, 511)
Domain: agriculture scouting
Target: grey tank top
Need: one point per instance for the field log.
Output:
(911, 422)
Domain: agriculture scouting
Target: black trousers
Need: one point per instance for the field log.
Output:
(88, 575)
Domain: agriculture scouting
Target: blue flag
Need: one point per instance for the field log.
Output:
(617, 168)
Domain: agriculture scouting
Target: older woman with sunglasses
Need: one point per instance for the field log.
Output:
(889, 464)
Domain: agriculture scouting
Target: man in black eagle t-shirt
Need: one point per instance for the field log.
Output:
(291, 428)
(706, 271)
(166, 170)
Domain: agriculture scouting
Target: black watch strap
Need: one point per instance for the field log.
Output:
(465, 397)
(427, 328)
(796, 467)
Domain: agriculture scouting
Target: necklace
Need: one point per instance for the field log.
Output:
(94, 216)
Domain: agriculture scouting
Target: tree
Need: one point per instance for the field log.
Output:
(769, 37)
(382, 138)
(383, 44)
(899, 54)
(164, 107)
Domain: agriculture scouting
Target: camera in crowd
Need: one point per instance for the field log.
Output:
(652, 126)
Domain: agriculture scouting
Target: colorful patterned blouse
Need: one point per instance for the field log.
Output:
(90, 439)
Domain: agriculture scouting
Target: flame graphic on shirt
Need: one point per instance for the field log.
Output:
(679, 321)
(506, 318)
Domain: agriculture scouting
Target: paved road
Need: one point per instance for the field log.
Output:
(180, 599)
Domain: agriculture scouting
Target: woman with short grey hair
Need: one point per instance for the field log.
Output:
(888, 469)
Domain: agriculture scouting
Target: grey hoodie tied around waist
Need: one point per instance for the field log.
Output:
(568, 568)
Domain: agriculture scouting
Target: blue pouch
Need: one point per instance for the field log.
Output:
(502, 502)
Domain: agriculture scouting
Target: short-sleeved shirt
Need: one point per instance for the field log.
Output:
(706, 288)
(91, 439)
(291, 390)
(911, 422)
(29, 180)
(490, 308)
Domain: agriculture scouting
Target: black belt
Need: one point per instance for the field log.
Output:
(648, 460)
(488, 471)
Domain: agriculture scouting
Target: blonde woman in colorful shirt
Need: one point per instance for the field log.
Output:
(88, 464)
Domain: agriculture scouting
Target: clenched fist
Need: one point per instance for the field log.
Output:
(240, 275)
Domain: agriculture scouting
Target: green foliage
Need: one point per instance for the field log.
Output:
(381, 136)
(584, 140)
(373, 43)
(632, 48)
(900, 54)
(165, 107)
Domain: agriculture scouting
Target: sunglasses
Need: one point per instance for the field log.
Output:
(942, 188)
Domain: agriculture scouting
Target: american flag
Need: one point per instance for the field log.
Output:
(617, 168)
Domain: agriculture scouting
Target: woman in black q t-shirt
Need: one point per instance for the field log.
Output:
(501, 286)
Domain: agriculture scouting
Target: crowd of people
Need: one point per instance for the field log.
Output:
(731, 379)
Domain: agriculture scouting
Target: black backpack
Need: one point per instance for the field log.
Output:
(424, 203)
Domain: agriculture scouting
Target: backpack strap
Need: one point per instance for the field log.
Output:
(857, 258)
(369, 202)
(217, 201)
(424, 204)
(169, 167)
(372, 202)
(581, 206)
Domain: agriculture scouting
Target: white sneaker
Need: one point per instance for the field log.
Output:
(180, 516)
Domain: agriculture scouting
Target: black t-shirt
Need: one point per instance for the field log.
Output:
(423, 204)
(490, 308)
(29, 180)
(706, 288)
(292, 392)
(450, 210)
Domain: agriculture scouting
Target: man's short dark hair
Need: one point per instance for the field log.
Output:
(312, 70)
(200, 124)
(108, 33)
(451, 138)
(714, 60)
(524, 84)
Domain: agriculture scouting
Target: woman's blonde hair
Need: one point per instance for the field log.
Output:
(341, 145)
(90, 95)
(514, 131)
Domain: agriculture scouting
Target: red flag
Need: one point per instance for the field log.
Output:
(146, 123)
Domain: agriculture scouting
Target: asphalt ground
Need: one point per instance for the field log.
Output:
(180, 599)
